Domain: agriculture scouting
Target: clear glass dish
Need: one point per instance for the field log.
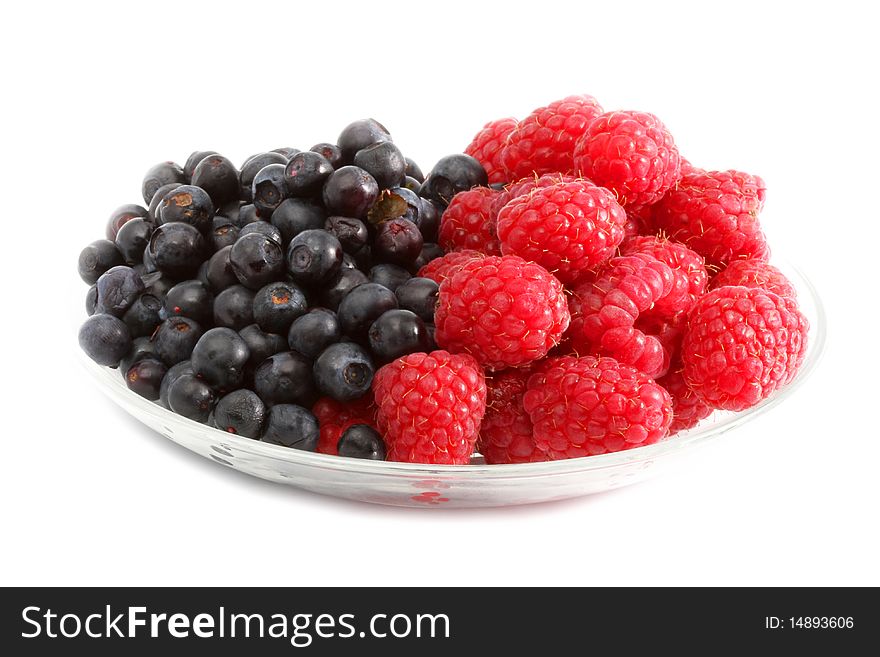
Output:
(476, 485)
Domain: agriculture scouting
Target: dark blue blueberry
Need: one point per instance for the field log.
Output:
(269, 189)
(414, 171)
(286, 151)
(223, 233)
(261, 344)
(177, 249)
(123, 214)
(306, 173)
(285, 378)
(219, 272)
(384, 162)
(296, 215)
(263, 228)
(360, 134)
(399, 242)
(276, 305)
(105, 339)
(351, 233)
(252, 167)
(145, 377)
(234, 307)
(174, 373)
(314, 332)
(190, 299)
(219, 177)
(361, 441)
(350, 192)
(175, 338)
(144, 315)
(141, 348)
(241, 412)
(313, 257)
(451, 175)
(187, 204)
(132, 239)
(412, 185)
(256, 260)
(419, 295)
(191, 397)
(97, 258)
(92, 299)
(292, 426)
(118, 288)
(193, 161)
(163, 173)
(331, 152)
(362, 306)
(397, 203)
(390, 276)
(429, 220)
(397, 333)
(331, 295)
(344, 371)
(219, 357)
(247, 214)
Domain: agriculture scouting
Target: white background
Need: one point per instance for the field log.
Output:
(94, 95)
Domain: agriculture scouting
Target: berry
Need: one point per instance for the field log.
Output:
(92, 300)
(193, 161)
(269, 189)
(390, 276)
(568, 228)
(755, 273)
(97, 258)
(105, 339)
(397, 333)
(277, 305)
(350, 191)
(742, 344)
(430, 251)
(430, 406)
(419, 295)
(141, 348)
(144, 315)
(443, 267)
(251, 167)
(132, 239)
(351, 233)
(240, 412)
(175, 338)
(343, 371)
(188, 204)
(506, 431)
(190, 299)
(313, 256)
(223, 233)
(398, 241)
(314, 332)
(285, 378)
(384, 162)
(219, 272)
(414, 171)
(145, 377)
(362, 306)
(256, 260)
(687, 408)
(453, 174)
(428, 220)
(191, 397)
(504, 311)
(469, 222)
(335, 417)
(234, 307)
(524, 186)
(287, 151)
(296, 215)
(361, 441)
(630, 153)
(331, 152)
(163, 173)
(177, 249)
(263, 228)
(118, 289)
(360, 134)
(396, 203)
(715, 213)
(594, 405)
(604, 311)
(121, 215)
(261, 345)
(174, 372)
(488, 144)
(347, 279)
(545, 140)
(290, 425)
(219, 178)
(305, 173)
(219, 357)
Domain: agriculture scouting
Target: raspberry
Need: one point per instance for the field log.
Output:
(604, 312)
(506, 432)
(715, 213)
(487, 145)
(430, 407)
(687, 408)
(755, 273)
(504, 311)
(469, 223)
(687, 167)
(742, 344)
(526, 185)
(335, 417)
(688, 266)
(586, 406)
(630, 153)
(544, 141)
(567, 228)
(439, 269)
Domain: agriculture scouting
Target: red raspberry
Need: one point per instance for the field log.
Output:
(688, 266)
(604, 311)
(430, 407)
(687, 167)
(504, 311)
(506, 432)
(526, 185)
(335, 417)
(439, 269)
(586, 406)
(755, 273)
(687, 408)
(487, 145)
(469, 222)
(715, 213)
(742, 344)
(567, 228)
(544, 141)
(630, 153)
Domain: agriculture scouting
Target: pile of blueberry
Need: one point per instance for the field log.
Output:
(238, 297)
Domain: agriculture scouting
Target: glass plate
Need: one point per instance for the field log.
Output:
(476, 485)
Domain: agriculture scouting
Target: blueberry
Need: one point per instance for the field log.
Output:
(175, 338)
(451, 175)
(285, 378)
(188, 204)
(105, 339)
(132, 239)
(252, 167)
(256, 260)
(234, 307)
(161, 174)
(122, 214)
(261, 344)
(361, 441)
(153, 210)
(292, 426)
(287, 151)
(397, 333)
(145, 378)
(414, 171)
(158, 284)
(92, 300)
(399, 242)
(430, 251)
(306, 173)
(118, 289)
(247, 214)
(389, 276)
(396, 203)
(428, 220)
(360, 134)
(219, 272)
(177, 249)
(219, 357)
(263, 228)
(331, 295)
(331, 152)
(384, 162)
(219, 177)
(276, 305)
(190, 299)
(269, 189)
(174, 373)
(313, 256)
(350, 191)
(419, 295)
(344, 371)
(314, 332)
(411, 184)
(362, 306)
(193, 161)
(241, 412)
(223, 233)
(97, 258)
(141, 348)
(296, 215)
(191, 397)
(351, 233)
(144, 315)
